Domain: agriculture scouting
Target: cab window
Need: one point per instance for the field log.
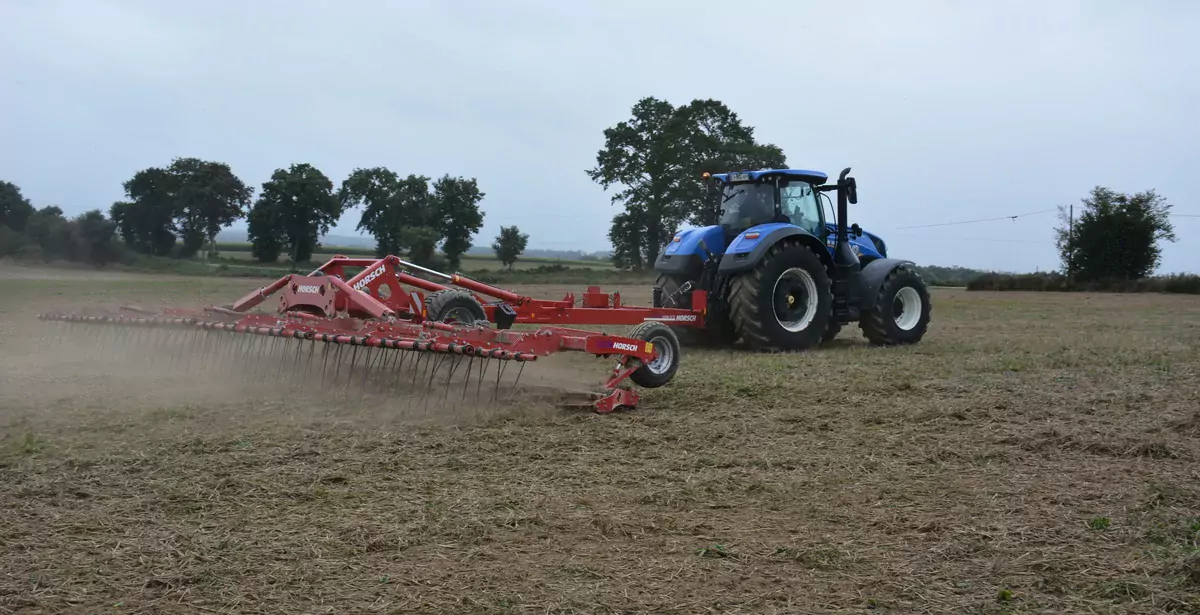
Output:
(798, 202)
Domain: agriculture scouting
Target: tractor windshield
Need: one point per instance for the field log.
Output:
(745, 205)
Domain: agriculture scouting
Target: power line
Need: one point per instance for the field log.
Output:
(953, 237)
(1032, 213)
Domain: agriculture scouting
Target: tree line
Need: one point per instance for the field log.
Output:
(178, 210)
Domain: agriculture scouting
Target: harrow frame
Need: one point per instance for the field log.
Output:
(382, 281)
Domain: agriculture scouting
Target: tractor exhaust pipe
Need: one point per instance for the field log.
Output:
(846, 286)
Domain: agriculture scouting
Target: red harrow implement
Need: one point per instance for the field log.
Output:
(461, 299)
(375, 334)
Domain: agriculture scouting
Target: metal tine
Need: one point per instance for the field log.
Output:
(467, 378)
(337, 364)
(400, 370)
(312, 348)
(371, 355)
(499, 374)
(456, 361)
(482, 373)
(520, 370)
(345, 392)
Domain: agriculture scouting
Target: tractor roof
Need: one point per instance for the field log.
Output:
(815, 177)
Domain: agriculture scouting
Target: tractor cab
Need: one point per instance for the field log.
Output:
(750, 198)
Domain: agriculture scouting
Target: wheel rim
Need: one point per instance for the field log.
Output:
(795, 299)
(906, 308)
(666, 356)
(459, 314)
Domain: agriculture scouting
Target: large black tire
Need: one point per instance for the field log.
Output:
(790, 284)
(669, 285)
(890, 319)
(661, 370)
(454, 306)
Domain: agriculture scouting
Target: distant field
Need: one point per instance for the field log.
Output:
(241, 251)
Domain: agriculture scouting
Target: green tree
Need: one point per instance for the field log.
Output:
(147, 221)
(419, 235)
(296, 207)
(15, 209)
(1116, 235)
(95, 238)
(376, 190)
(191, 199)
(52, 233)
(456, 203)
(509, 245)
(207, 198)
(266, 240)
(656, 158)
(405, 215)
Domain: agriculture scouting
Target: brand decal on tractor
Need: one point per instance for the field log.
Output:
(308, 289)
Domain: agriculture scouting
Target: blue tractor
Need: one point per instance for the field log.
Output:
(779, 276)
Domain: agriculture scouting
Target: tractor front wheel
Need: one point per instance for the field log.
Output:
(900, 312)
(785, 302)
(660, 370)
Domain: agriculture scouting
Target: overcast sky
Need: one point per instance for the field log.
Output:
(946, 111)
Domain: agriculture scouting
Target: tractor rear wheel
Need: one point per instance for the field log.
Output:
(785, 302)
(662, 368)
(900, 312)
(456, 306)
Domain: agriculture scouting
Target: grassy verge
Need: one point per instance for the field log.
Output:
(1056, 282)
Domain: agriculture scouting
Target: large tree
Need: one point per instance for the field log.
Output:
(295, 208)
(15, 209)
(456, 203)
(95, 237)
(1115, 235)
(147, 221)
(191, 199)
(208, 197)
(376, 191)
(404, 215)
(656, 158)
(509, 245)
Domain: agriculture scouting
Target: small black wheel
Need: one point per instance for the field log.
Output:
(900, 312)
(785, 302)
(662, 368)
(455, 306)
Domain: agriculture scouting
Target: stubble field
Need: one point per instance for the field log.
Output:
(1036, 453)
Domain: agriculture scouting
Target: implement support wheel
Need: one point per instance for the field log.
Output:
(662, 368)
(457, 306)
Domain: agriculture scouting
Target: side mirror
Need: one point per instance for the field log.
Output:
(852, 190)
